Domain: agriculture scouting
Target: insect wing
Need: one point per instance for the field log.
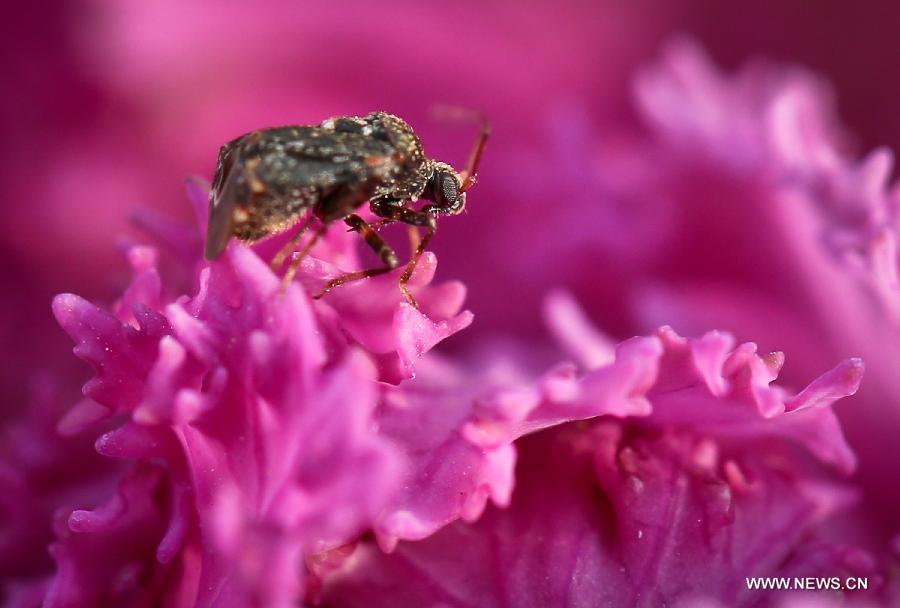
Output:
(295, 158)
(222, 200)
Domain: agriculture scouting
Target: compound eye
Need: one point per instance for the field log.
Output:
(449, 189)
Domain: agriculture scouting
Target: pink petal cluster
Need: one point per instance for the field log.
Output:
(690, 472)
(250, 420)
(264, 433)
(237, 447)
(815, 268)
(739, 204)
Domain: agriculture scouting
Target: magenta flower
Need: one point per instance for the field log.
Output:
(249, 419)
(738, 206)
(825, 232)
(700, 473)
(265, 434)
(240, 448)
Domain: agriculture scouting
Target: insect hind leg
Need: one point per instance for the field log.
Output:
(299, 257)
(279, 258)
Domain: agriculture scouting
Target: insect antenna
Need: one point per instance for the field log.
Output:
(470, 173)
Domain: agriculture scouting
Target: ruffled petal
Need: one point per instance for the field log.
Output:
(605, 514)
(120, 354)
(263, 423)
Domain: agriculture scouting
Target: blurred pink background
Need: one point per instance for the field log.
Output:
(109, 106)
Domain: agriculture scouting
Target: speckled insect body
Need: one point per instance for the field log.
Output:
(267, 180)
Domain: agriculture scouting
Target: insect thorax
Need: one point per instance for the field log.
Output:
(414, 169)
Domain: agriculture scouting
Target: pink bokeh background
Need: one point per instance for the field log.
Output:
(109, 106)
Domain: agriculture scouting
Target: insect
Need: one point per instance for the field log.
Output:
(267, 180)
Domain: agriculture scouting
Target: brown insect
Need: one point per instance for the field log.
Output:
(267, 180)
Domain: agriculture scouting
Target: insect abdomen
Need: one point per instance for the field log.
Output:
(273, 213)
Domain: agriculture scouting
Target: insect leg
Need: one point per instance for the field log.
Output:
(376, 225)
(414, 238)
(298, 257)
(284, 252)
(378, 244)
(388, 209)
(411, 265)
(413, 217)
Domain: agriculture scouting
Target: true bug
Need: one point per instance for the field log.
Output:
(267, 180)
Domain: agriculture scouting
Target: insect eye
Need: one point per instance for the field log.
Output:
(449, 188)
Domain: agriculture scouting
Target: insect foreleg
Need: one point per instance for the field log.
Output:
(378, 244)
(412, 217)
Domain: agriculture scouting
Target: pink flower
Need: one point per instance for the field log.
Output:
(698, 473)
(738, 206)
(824, 231)
(257, 450)
(39, 471)
(263, 432)
(249, 419)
